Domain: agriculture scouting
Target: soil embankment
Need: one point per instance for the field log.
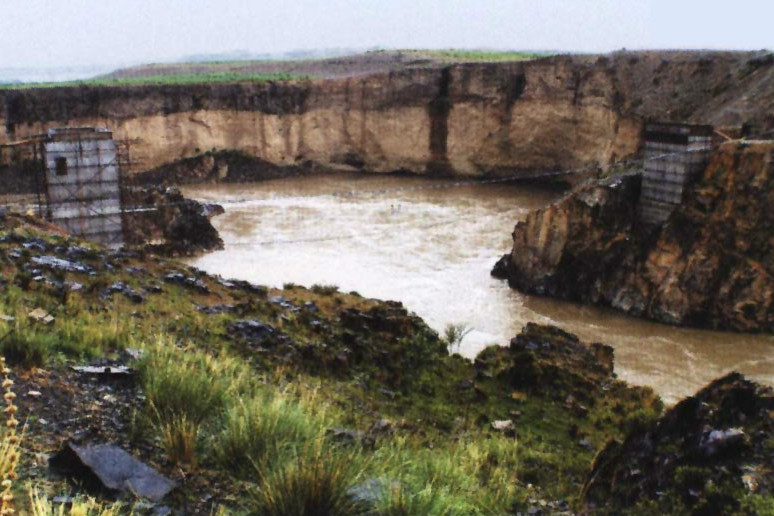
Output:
(463, 119)
(710, 265)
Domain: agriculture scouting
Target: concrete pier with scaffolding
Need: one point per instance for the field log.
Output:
(674, 155)
(83, 183)
(77, 180)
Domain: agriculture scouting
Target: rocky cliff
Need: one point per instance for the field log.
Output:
(711, 265)
(465, 119)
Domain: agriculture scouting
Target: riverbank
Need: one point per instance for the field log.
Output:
(360, 391)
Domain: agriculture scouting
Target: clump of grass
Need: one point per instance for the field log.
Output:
(262, 431)
(27, 349)
(317, 482)
(76, 332)
(164, 79)
(86, 336)
(24, 280)
(9, 443)
(474, 477)
(188, 383)
(185, 390)
(401, 500)
(418, 353)
(324, 290)
(179, 436)
(454, 334)
(40, 506)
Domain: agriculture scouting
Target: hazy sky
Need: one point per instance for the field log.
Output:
(46, 33)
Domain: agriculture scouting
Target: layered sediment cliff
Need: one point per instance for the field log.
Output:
(467, 119)
(711, 265)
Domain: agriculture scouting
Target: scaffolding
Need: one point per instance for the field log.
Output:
(77, 179)
(674, 155)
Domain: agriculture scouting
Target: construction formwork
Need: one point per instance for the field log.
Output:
(82, 183)
(675, 154)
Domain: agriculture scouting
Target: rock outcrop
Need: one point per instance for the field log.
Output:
(571, 248)
(711, 265)
(167, 223)
(467, 119)
(548, 361)
(703, 456)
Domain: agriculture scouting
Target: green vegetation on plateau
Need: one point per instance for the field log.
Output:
(471, 56)
(165, 79)
(288, 70)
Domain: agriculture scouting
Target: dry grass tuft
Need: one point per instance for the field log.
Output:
(9, 444)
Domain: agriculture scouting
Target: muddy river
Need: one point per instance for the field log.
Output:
(432, 248)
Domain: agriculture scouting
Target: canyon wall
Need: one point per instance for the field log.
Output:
(711, 265)
(467, 119)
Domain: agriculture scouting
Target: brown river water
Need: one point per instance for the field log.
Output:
(432, 248)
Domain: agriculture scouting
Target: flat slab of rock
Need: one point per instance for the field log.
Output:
(119, 370)
(109, 467)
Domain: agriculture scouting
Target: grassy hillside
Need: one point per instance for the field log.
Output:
(257, 400)
(474, 56)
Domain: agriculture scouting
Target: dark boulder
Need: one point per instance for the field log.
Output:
(704, 454)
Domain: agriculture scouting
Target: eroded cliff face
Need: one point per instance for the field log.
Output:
(711, 265)
(470, 119)
(461, 119)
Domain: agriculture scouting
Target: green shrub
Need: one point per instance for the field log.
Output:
(639, 420)
(758, 504)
